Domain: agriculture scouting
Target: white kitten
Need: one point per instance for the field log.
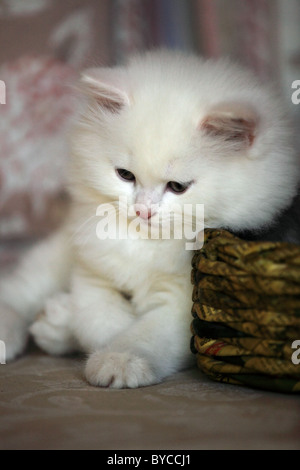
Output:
(167, 129)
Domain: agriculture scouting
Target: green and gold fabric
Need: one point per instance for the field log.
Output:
(246, 309)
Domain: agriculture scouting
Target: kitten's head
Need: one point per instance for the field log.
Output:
(174, 129)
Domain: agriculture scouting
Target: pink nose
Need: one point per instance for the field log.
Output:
(144, 214)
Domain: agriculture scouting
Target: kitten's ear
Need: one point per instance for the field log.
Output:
(233, 123)
(106, 87)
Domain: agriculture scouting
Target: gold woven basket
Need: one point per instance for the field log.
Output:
(246, 309)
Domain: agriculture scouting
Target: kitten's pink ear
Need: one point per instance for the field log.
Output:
(233, 123)
(106, 87)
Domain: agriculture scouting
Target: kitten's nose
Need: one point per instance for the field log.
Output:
(144, 214)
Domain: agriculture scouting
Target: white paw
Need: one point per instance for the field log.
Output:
(118, 370)
(13, 334)
(51, 331)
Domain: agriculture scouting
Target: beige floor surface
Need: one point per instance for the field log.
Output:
(45, 403)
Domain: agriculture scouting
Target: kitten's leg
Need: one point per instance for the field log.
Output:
(43, 271)
(93, 312)
(99, 311)
(51, 331)
(155, 346)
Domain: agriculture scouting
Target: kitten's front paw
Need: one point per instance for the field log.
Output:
(118, 370)
(13, 333)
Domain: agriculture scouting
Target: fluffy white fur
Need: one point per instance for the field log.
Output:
(164, 117)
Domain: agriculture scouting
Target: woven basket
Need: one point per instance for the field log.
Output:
(246, 309)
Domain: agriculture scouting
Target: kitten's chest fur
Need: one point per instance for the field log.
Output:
(133, 265)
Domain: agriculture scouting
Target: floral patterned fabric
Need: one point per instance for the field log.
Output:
(34, 122)
(45, 43)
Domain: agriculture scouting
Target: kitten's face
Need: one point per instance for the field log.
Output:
(153, 163)
(161, 142)
(148, 157)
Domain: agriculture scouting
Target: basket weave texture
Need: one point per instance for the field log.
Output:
(246, 309)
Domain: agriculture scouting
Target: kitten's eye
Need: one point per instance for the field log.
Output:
(177, 187)
(125, 175)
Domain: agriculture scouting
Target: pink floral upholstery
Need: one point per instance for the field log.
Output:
(34, 149)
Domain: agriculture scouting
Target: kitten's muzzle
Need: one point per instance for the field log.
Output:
(144, 214)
